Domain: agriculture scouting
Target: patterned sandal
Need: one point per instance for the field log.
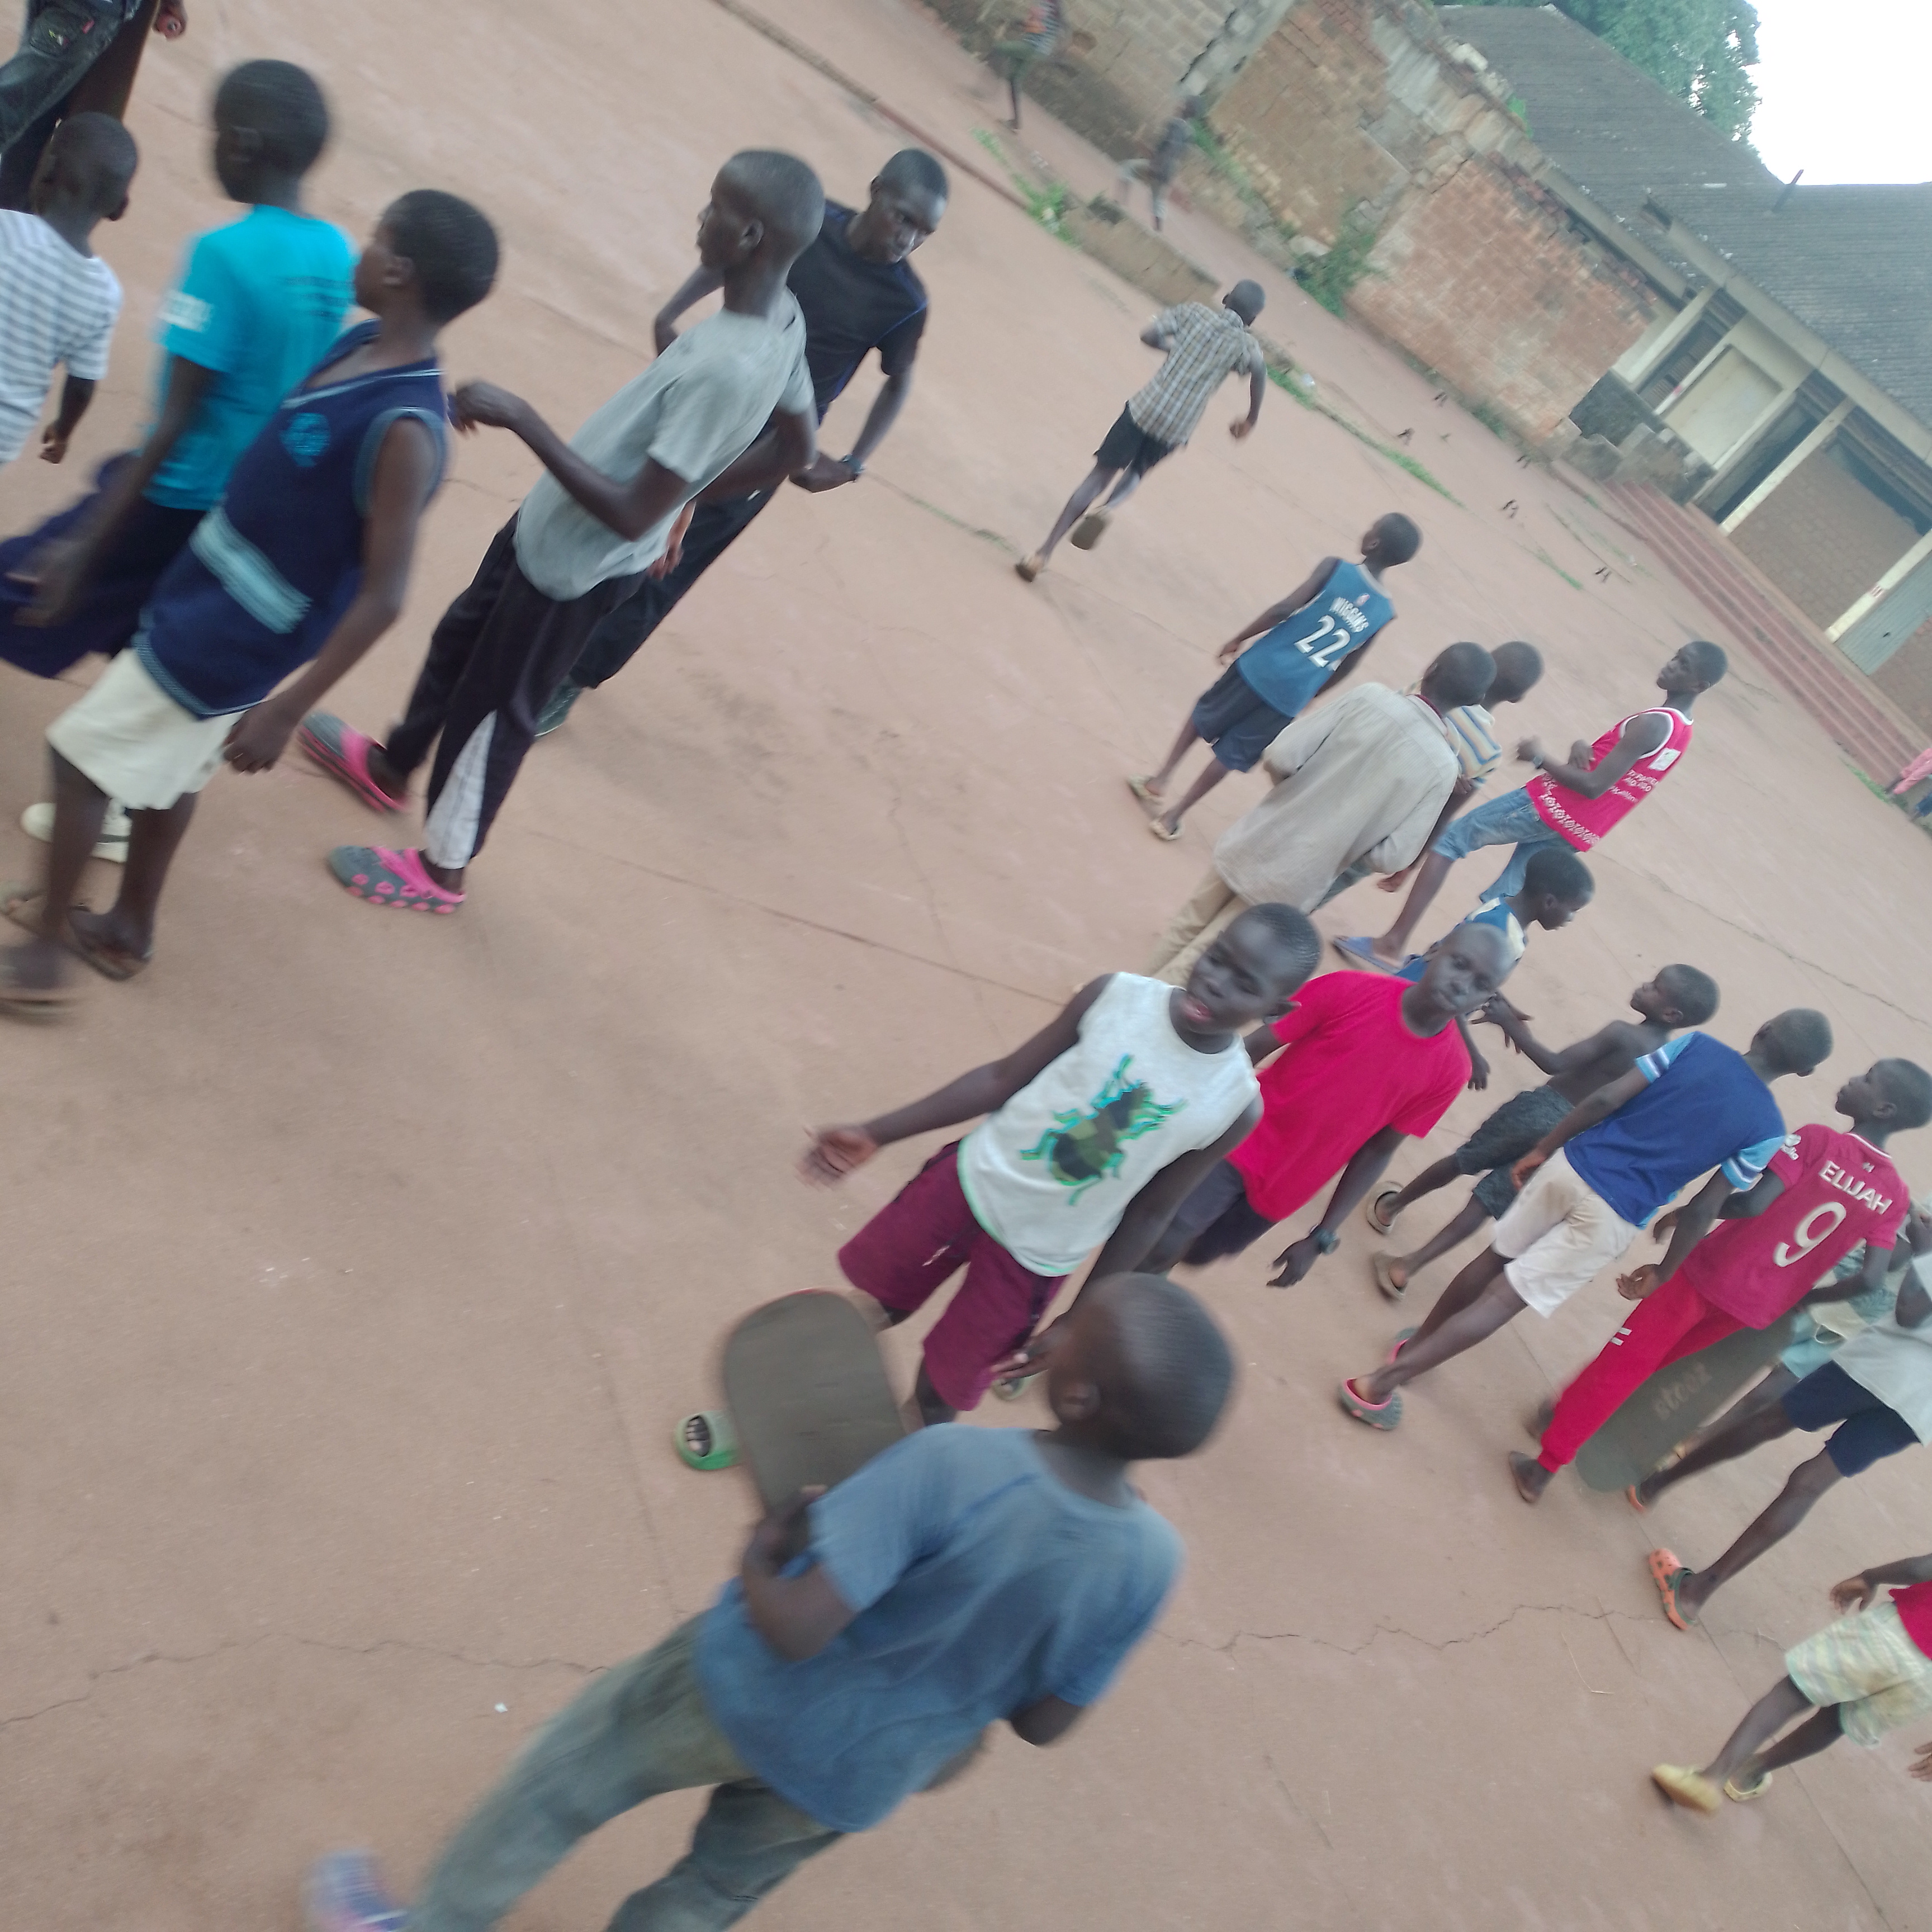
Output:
(1376, 1415)
(344, 755)
(387, 878)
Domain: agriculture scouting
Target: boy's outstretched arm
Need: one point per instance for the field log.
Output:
(696, 285)
(1688, 1224)
(1049, 1720)
(1857, 1593)
(1302, 594)
(831, 472)
(60, 570)
(1600, 1106)
(1514, 1027)
(1364, 1169)
(835, 1151)
(399, 487)
(1243, 426)
(798, 1616)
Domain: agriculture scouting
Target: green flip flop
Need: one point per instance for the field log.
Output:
(705, 1440)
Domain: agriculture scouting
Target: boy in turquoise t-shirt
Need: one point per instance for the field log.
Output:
(1302, 647)
(259, 303)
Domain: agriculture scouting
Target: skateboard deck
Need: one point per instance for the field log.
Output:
(1675, 1401)
(808, 1394)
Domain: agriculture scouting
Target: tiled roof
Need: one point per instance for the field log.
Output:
(1854, 264)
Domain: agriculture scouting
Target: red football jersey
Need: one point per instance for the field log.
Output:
(1839, 1190)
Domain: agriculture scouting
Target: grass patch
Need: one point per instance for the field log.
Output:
(1543, 557)
(1288, 379)
(1329, 277)
(1047, 205)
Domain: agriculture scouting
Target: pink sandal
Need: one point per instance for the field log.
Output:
(344, 754)
(387, 878)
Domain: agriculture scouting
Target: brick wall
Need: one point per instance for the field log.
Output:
(1824, 539)
(1292, 117)
(1484, 280)
(1905, 678)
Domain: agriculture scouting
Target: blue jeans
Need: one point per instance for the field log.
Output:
(639, 1730)
(1509, 820)
(62, 39)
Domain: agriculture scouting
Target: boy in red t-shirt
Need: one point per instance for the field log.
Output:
(1825, 1191)
(1368, 1060)
(1859, 1678)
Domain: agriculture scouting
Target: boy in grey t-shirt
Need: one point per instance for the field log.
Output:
(614, 505)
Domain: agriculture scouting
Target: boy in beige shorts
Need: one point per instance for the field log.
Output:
(1600, 1173)
(1867, 1674)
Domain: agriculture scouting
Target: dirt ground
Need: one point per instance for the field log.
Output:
(357, 1267)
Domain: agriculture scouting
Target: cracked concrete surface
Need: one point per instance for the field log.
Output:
(357, 1270)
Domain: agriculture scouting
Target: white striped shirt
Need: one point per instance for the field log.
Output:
(56, 306)
(1204, 347)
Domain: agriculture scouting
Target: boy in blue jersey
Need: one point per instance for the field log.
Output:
(1691, 1105)
(963, 1577)
(1304, 645)
(258, 302)
(305, 562)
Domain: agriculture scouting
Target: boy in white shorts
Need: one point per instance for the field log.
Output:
(1867, 1674)
(1693, 1105)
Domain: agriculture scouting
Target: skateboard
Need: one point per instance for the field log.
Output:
(808, 1395)
(1675, 1401)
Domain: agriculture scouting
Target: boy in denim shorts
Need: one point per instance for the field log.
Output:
(1573, 801)
(1867, 1674)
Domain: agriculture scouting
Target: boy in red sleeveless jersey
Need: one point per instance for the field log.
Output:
(1826, 1190)
(1572, 802)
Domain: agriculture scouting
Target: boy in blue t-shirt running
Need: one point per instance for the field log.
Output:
(965, 1577)
(258, 302)
(303, 563)
(1600, 1173)
(1304, 645)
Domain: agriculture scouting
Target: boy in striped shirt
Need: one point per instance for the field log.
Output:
(59, 301)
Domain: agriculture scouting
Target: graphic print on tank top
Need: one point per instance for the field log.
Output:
(1082, 1148)
(1581, 821)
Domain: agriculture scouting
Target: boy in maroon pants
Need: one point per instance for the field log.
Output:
(1824, 1192)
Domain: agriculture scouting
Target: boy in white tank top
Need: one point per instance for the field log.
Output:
(1096, 1130)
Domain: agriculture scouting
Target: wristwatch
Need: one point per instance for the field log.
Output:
(1326, 1240)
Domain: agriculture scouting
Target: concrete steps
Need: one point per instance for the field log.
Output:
(1877, 738)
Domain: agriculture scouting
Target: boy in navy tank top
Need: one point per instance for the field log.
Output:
(304, 561)
(1305, 645)
(1600, 1173)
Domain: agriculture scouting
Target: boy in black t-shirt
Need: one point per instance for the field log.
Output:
(858, 293)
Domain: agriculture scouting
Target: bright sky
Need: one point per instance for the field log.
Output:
(1842, 85)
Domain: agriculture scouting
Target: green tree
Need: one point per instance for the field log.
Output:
(1703, 51)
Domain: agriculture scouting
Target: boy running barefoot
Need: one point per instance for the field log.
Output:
(1306, 644)
(1204, 347)
(60, 299)
(1866, 1675)
(304, 563)
(1574, 802)
(1680, 996)
(1613, 1161)
(1095, 1130)
(1877, 1388)
(614, 504)
(1368, 1060)
(1826, 1192)
(965, 1577)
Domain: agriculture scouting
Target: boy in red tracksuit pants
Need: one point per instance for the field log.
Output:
(1826, 1190)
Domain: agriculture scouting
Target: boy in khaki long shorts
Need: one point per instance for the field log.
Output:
(1867, 1674)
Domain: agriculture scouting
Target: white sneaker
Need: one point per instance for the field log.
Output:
(37, 822)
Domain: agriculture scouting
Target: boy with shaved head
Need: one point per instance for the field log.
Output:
(858, 293)
(963, 1578)
(1600, 1173)
(615, 505)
